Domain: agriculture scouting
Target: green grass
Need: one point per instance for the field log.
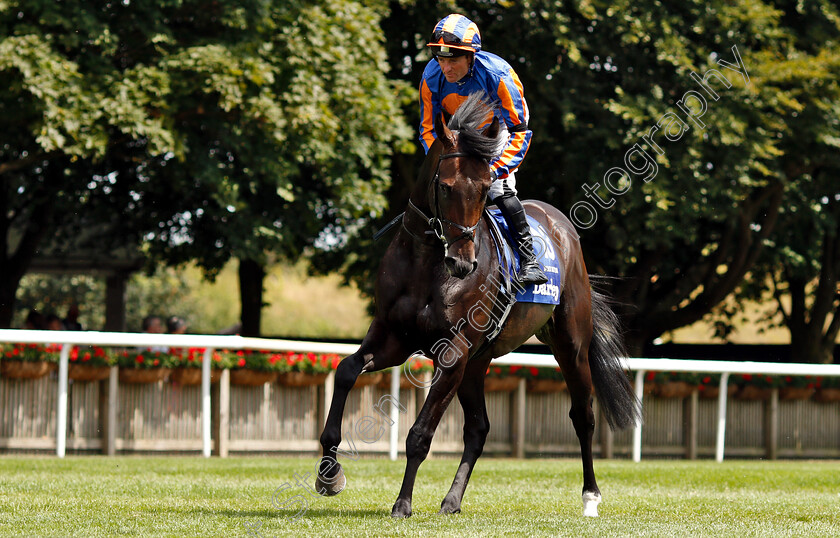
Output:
(186, 496)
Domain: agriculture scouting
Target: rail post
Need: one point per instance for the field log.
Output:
(61, 418)
(721, 428)
(206, 410)
(637, 431)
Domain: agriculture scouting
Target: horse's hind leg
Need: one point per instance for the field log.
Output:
(570, 332)
(379, 350)
(476, 428)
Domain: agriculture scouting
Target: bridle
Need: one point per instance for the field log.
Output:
(436, 222)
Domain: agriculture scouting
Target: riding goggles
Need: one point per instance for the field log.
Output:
(449, 45)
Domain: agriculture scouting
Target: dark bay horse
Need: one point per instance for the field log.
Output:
(441, 265)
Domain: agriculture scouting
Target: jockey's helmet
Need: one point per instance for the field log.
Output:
(455, 35)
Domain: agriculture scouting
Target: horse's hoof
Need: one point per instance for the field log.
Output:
(590, 504)
(449, 507)
(331, 486)
(402, 509)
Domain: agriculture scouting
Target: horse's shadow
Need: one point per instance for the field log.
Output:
(315, 513)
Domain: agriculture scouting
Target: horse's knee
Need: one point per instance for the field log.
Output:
(347, 372)
(483, 429)
(417, 444)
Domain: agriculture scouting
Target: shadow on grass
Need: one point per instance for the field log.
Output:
(314, 513)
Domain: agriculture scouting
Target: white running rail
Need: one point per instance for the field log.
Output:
(640, 366)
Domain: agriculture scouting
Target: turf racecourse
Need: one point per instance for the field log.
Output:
(192, 496)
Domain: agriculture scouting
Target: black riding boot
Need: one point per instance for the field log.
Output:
(514, 213)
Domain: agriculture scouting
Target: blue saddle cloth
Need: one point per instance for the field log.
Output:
(548, 293)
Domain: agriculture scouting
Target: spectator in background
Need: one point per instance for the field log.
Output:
(176, 325)
(54, 322)
(71, 321)
(35, 320)
(153, 325)
(236, 328)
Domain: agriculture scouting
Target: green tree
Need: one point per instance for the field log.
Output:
(598, 76)
(165, 292)
(799, 272)
(211, 131)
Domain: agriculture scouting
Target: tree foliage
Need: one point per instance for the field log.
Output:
(599, 76)
(254, 129)
(797, 274)
(210, 130)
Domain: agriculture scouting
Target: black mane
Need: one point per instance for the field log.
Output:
(468, 121)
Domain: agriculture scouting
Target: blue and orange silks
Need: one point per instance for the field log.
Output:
(497, 79)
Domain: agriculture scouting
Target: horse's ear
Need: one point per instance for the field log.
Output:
(492, 130)
(442, 131)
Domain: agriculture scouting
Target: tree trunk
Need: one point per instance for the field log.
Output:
(8, 289)
(251, 275)
(805, 348)
(812, 335)
(14, 264)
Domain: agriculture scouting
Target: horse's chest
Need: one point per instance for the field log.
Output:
(426, 319)
(415, 314)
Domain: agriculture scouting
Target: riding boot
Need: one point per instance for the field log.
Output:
(514, 213)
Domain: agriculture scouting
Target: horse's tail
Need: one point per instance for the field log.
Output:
(615, 393)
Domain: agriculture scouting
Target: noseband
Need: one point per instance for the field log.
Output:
(436, 222)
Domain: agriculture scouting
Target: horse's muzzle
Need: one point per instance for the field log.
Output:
(459, 268)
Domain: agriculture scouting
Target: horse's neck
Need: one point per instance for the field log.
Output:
(420, 195)
(420, 192)
(416, 219)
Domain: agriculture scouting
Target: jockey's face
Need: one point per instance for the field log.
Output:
(454, 69)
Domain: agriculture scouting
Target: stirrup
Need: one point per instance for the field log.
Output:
(530, 273)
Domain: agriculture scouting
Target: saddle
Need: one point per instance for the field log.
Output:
(548, 293)
(510, 291)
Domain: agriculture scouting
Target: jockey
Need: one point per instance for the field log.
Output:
(459, 68)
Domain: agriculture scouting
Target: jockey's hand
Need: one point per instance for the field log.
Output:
(493, 175)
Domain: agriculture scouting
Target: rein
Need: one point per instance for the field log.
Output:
(506, 295)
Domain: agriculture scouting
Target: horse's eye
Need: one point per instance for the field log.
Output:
(445, 189)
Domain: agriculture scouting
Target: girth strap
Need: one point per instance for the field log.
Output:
(506, 295)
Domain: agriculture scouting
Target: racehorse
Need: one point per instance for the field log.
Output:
(443, 263)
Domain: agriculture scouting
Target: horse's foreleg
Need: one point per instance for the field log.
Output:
(331, 480)
(476, 428)
(419, 438)
(379, 350)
